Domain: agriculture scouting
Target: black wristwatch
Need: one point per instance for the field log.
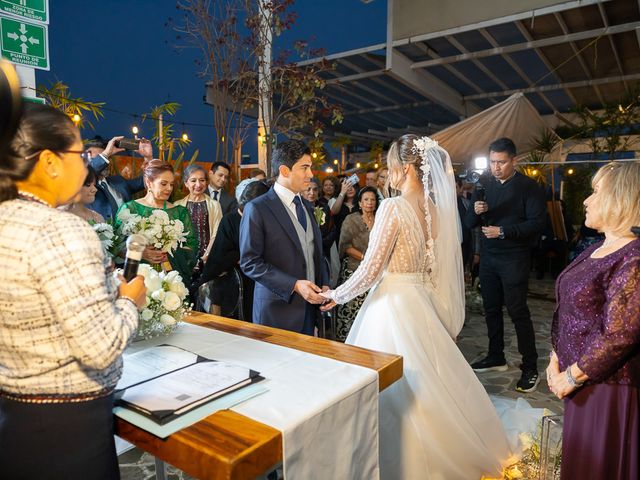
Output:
(501, 236)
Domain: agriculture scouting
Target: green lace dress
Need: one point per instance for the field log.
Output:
(184, 258)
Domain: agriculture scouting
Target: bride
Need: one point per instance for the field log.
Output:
(437, 422)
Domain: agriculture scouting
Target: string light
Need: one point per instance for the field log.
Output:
(358, 165)
(135, 130)
(222, 139)
(534, 172)
(570, 171)
(335, 161)
(76, 119)
(314, 155)
(329, 170)
(375, 165)
(185, 137)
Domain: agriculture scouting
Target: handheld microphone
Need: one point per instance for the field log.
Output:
(481, 197)
(136, 244)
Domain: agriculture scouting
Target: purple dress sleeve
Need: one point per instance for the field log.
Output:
(609, 346)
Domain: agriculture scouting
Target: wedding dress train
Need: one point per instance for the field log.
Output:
(437, 422)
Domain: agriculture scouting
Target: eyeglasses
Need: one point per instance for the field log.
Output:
(86, 156)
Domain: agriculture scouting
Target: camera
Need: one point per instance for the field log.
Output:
(128, 144)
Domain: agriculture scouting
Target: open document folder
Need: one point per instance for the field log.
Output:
(165, 382)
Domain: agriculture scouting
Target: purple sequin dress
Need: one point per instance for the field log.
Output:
(200, 220)
(597, 324)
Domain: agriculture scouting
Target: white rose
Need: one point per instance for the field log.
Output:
(144, 269)
(179, 289)
(167, 320)
(171, 301)
(158, 295)
(173, 276)
(146, 314)
(153, 282)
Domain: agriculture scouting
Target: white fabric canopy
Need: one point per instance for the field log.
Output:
(515, 118)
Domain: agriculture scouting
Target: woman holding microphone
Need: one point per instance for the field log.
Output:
(64, 321)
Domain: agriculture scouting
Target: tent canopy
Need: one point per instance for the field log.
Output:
(515, 118)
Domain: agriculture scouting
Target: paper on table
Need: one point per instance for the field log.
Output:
(153, 362)
(186, 386)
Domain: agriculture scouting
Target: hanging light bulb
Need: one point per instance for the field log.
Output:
(76, 118)
(335, 161)
(570, 171)
(358, 165)
(314, 155)
(185, 137)
(135, 130)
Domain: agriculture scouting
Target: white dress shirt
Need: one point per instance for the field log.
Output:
(212, 195)
(286, 196)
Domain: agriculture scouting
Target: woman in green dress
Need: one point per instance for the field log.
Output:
(159, 181)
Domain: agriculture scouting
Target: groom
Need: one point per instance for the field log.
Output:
(281, 246)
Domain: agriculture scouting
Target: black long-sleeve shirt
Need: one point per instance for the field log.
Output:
(517, 206)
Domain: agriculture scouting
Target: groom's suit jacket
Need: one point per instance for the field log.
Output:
(271, 255)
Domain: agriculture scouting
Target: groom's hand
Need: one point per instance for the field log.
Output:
(309, 291)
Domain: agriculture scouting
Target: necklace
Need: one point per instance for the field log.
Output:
(608, 242)
(30, 197)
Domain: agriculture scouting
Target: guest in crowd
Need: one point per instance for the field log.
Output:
(225, 254)
(512, 217)
(348, 203)
(584, 238)
(323, 217)
(87, 196)
(64, 321)
(595, 363)
(354, 240)
(383, 174)
(113, 190)
(159, 180)
(257, 174)
(218, 179)
(205, 213)
(330, 190)
(371, 178)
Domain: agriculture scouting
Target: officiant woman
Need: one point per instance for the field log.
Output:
(64, 322)
(595, 365)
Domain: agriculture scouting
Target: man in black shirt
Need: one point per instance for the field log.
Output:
(512, 216)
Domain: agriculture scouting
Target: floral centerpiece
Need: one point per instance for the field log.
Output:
(166, 302)
(161, 232)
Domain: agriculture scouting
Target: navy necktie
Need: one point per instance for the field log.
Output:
(302, 218)
(215, 195)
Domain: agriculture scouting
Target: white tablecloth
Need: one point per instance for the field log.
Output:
(327, 410)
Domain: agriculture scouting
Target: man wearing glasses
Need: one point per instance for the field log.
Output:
(113, 190)
(512, 216)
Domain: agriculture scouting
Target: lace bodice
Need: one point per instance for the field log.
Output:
(396, 245)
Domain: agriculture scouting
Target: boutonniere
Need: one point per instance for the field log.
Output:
(320, 215)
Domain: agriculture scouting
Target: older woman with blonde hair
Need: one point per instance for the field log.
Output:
(595, 363)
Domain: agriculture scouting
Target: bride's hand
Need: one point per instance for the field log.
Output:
(327, 306)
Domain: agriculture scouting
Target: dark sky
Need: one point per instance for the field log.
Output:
(120, 52)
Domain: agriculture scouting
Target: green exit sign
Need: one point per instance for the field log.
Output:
(24, 43)
(36, 10)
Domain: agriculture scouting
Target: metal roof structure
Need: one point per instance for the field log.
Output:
(574, 53)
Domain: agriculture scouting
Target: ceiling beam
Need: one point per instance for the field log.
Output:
(507, 58)
(605, 21)
(558, 86)
(429, 86)
(387, 108)
(578, 55)
(518, 47)
(354, 78)
(525, 33)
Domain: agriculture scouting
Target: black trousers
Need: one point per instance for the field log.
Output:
(57, 441)
(504, 279)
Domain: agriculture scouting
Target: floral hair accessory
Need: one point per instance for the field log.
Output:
(422, 145)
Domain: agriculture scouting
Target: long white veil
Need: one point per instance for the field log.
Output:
(447, 272)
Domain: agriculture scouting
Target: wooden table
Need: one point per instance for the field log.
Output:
(227, 445)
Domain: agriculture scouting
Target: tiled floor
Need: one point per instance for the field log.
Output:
(136, 465)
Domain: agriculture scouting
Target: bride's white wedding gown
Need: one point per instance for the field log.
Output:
(437, 422)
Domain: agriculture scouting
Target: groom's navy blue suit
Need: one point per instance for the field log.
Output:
(271, 255)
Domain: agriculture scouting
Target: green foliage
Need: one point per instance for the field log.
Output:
(577, 187)
(59, 97)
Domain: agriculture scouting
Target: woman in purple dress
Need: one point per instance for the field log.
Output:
(595, 365)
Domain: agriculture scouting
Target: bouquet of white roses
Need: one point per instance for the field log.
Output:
(161, 232)
(111, 242)
(166, 302)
